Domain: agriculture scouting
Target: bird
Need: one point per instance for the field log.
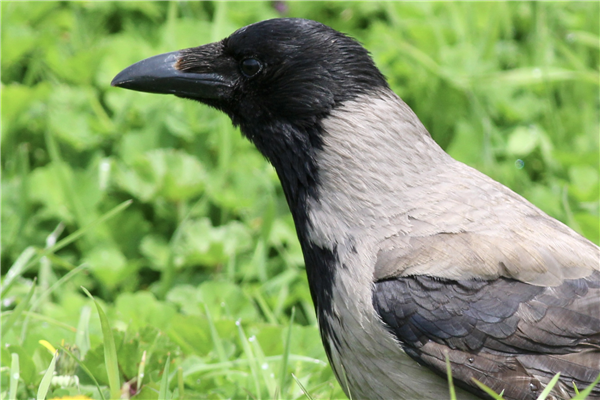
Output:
(413, 258)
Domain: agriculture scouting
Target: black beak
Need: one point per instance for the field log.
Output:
(159, 74)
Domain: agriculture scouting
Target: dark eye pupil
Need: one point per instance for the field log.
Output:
(250, 67)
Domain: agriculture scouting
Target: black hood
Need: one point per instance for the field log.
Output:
(291, 70)
(276, 79)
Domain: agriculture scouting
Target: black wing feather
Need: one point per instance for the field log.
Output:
(504, 332)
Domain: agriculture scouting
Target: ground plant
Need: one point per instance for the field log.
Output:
(147, 249)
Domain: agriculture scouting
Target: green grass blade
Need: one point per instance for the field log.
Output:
(82, 337)
(302, 388)
(47, 379)
(194, 369)
(41, 298)
(84, 369)
(489, 391)
(6, 327)
(110, 351)
(57, 284)
(40, 317)
(141, 372)
(14, 376)
(180, 384)
(264, 367)
(264, 307)
(45, 270)
(17, 269)
(163, 392)
(450, 382)
(549, 387)
(24, 262)
(218, 343)
(285, 355)
(251, 359)
(585, 393)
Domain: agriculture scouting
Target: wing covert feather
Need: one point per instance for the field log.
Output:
(509, 333)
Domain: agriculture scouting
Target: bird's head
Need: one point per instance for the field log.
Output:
(281, 71)
(278, 80)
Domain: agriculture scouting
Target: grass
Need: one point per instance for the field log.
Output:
(178, 228)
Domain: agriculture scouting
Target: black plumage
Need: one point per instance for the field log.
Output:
(503, 319)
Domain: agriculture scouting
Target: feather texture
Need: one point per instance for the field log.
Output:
(459, 263)
(490, 325)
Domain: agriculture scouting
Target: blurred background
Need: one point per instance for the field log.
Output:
(178, 226)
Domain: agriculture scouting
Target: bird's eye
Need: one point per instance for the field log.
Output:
(250, 67)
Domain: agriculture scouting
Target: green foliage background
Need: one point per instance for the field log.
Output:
(510, 88)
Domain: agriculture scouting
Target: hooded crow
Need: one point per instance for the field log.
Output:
(412, 257)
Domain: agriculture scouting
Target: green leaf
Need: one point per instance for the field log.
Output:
(108, 264)
(202, 243)
(142, 308)
(156, 249)
(522, 141)
(191, 333)
(584, 182)
(163, 173)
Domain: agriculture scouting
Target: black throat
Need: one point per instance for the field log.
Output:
(292, 150)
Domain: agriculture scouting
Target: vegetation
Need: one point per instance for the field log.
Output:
(178, 228)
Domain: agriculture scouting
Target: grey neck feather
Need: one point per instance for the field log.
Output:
(375, 153)
(385, 186)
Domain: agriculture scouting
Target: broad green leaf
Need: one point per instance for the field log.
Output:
(522, 141)
(109, 265)
(142, 308)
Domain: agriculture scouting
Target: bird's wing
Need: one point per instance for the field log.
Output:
(510, 335)
(512, 295)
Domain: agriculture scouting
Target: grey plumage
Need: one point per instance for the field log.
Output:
(411, 255)
(414, 211)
